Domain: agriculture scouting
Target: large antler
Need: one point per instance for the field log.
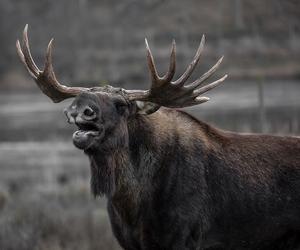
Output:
(176, 94)
(163, 91)
(45, 79)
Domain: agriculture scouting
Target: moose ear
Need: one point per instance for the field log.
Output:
(146, 108)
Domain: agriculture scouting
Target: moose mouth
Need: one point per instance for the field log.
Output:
(86, 135)
(87, 129)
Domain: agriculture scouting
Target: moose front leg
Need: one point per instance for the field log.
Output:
(122, 233)
(176, 236)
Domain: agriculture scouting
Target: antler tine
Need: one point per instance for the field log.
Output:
(48, 70)
(169, 75)
(175, 94)
(27, 54)
(189, 70)
(201, 99)
(21, 56)
(205, 76)
(56, 91)
(208, 87)
(45, 79)
(196, 101)
(151, 64)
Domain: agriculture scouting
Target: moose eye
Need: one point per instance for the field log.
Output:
(121, 105)
(88, 112)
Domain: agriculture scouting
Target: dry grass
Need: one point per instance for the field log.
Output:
(56, 222)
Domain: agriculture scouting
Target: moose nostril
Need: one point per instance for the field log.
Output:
(89, 112)
(70, 115)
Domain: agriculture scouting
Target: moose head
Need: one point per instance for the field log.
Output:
(102, 112)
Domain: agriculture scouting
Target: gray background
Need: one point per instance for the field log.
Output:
(45, 201)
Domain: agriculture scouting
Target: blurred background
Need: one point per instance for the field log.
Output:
(45, 202)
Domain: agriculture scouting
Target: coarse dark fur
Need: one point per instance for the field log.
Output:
(174, 182)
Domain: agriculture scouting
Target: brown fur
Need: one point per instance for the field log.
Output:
(174, 182)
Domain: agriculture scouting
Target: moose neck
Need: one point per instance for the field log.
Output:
(112, 172)
(124, 166)
(118, 166)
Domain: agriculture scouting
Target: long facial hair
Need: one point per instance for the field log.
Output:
(108, 161)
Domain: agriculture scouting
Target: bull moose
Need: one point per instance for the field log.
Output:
(172, 181)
